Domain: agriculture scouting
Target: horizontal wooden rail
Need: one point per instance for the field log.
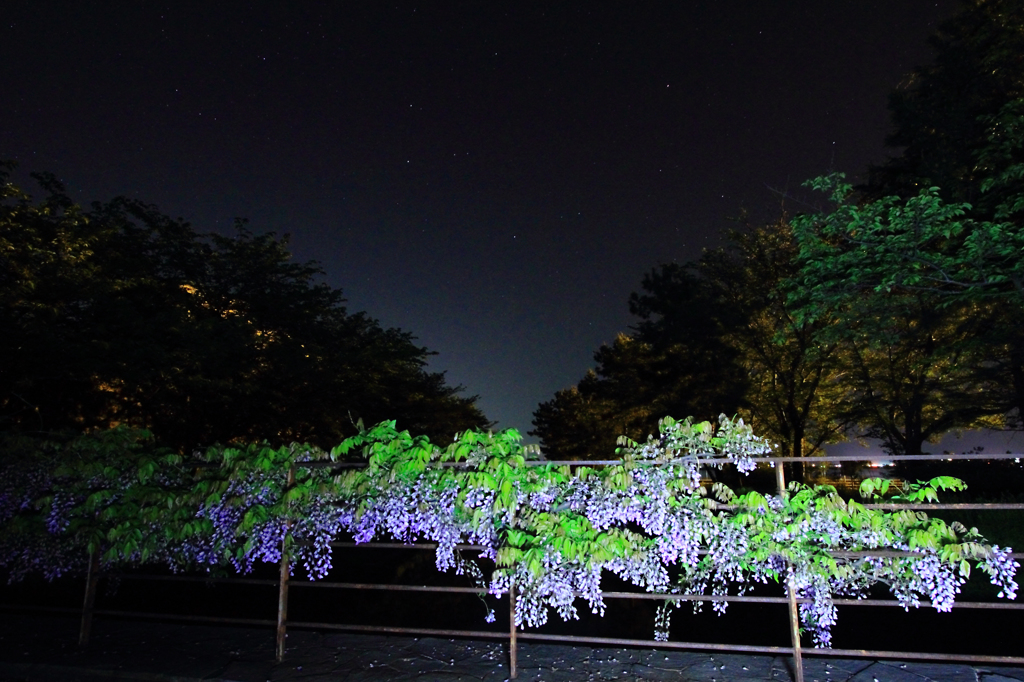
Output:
(645, 596)
(704, 457)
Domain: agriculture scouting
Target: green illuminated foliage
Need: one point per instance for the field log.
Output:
(545, 529)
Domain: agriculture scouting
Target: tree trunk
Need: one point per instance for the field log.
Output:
(796, 449)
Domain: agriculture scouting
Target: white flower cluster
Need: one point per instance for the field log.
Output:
(1001, 567)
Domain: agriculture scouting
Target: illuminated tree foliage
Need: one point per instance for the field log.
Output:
(717, 335)
(121, 315)
(926, 262)
(959, 177)
(926, 299)
(794, 395)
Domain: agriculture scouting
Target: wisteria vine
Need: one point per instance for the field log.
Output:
(549, 530)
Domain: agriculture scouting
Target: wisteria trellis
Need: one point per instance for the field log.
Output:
(548, 529)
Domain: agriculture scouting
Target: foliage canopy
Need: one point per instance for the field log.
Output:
(546, 529)
(118, 314)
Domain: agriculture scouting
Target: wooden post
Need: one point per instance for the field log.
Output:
(92, 577)
(282, 592)
(282, 605)
(794, 627)
(512, 671)
(794, 613)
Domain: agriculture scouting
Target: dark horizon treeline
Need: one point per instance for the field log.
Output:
(745, 330)
(720, 335)
(118, 314)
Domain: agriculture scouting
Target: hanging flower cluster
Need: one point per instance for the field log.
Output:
(550, 531)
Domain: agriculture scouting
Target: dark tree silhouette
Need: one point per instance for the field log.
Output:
(120, 314)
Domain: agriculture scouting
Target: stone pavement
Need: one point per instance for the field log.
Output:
(41, 648)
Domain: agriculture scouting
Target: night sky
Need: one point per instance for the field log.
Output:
(494, 177)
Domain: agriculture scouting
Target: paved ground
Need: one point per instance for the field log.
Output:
(42, 649)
